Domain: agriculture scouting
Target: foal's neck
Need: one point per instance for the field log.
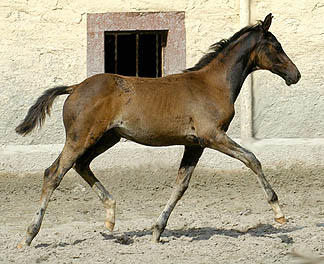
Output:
(237, 63)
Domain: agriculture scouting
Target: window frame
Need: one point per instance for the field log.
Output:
(173, 54)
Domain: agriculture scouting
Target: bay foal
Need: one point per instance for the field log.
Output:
(193, 109)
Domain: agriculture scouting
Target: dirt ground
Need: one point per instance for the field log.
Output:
(222, 218)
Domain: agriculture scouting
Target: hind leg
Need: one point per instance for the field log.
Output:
(82, 166)
(52, 178)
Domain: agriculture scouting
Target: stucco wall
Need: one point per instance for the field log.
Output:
(295, 111)
(43, 44)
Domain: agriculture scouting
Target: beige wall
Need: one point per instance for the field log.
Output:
(295, 111)
(43, 44)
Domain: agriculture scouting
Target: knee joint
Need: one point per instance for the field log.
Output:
(49, 178)
(253, 162)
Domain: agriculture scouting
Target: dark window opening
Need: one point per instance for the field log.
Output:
(135, 53)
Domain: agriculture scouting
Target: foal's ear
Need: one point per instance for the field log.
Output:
(267, 22)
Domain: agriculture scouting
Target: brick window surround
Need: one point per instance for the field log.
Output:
(174, 53)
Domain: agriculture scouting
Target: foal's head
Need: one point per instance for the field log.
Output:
(269, 55)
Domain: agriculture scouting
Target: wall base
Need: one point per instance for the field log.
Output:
(271, 153)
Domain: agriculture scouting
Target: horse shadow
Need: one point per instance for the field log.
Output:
(192, 234)
(205, 233)
(60, 244)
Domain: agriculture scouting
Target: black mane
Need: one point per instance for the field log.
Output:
(218, 47)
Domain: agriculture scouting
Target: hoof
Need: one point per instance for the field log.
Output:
(22, 244)
(109, 225)
(155, 238)
(281, 220)
(156, 234)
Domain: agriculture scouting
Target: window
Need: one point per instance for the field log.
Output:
(135, 53)
(117, 41)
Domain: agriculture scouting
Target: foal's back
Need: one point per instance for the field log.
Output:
(150, 111)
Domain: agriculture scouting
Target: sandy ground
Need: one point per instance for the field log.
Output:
(222, 218)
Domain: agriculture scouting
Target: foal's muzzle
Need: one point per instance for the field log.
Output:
(293, 78)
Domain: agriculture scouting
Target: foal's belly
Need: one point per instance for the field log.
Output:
(157, 136)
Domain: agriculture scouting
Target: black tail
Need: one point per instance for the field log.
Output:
(37, 113)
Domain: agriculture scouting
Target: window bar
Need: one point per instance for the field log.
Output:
(137, 53)
(157, 55)
(163, 44)
(116, 55)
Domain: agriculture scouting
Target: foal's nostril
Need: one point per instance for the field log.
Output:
(298, 76)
